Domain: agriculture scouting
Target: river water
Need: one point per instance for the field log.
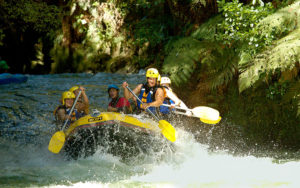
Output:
(26, 126)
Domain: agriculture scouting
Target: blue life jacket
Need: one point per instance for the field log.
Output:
(75, 114)
(147, 95)
(165, 109)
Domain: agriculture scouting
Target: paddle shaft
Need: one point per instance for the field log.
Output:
(71, 110)
(167, 105)
(142, 103)
(182, 113)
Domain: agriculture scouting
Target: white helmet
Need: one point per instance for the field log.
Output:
(165, 80)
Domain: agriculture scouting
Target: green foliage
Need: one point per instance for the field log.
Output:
(150, 31)
(218, 63)
(280, 23)
(30, 14)
(239, 25)
(148, 25)
(293, 94)
(208, 30)
(283, 55)
(276, 90)
(66, 60)
(181, 60)
(186, 55)
(282, 3)
(99, 40)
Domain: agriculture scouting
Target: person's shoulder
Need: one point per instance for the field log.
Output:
(61, 109)
(159, 89)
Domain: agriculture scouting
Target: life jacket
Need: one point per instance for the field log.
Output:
(74, 116)
(114, 102)
(121, 108)
(147, 95)
(165, 109)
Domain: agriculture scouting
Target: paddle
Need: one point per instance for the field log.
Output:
(166, 128)
(206, 114)
(58, 139)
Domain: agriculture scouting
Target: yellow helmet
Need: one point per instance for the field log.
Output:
(67, 95)
(165, 80)
(73, 88)
(152, 73)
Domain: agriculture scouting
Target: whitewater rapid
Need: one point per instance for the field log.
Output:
(26, 126)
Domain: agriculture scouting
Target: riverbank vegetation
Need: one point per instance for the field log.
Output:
(241, 57)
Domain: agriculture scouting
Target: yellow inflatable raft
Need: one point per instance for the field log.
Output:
(116, 133)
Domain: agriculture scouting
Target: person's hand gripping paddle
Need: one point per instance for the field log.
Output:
(206, 114)
(166, 128)
(58, 139)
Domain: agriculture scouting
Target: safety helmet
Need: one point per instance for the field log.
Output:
(112, 86)
(165, 80)
(67, 95)
(152, 73)
(73, 88)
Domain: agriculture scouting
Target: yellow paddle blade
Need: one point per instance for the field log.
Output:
(57, 142)
(206, 113)
(167, 130)
(209, 121)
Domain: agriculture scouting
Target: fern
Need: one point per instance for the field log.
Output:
(188, 54)
(220, 64)
(180, 62)
(283, 55)
(280, 23)
(208, 29)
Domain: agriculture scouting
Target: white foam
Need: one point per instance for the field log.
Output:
(200, 168)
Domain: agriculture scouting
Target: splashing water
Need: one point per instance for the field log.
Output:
(26, 126)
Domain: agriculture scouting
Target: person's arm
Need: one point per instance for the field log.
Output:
(112, 109)
(83, 102)
(173, 97)
(159, 99)
(61, 115)
(176, 100)
(84, 96)
(128, 94)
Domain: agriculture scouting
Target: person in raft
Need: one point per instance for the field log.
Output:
(170, 97)
(61, 112)
(164, 110)
(150, 93)
(82, 105)
(117, 103)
